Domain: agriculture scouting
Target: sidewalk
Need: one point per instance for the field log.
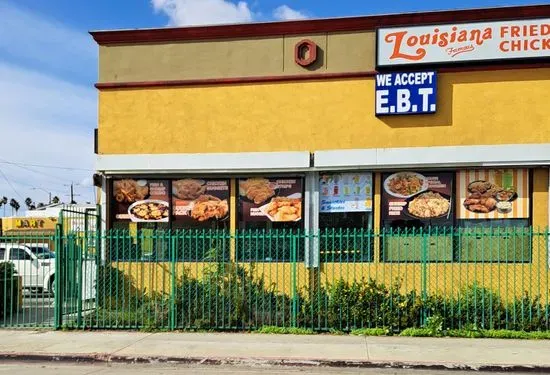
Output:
(289, 350)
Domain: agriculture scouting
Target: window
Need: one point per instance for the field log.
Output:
(345, 218)
(200, 206)
(494, 216)
(413, 201)
(269, 210)
(503, 240)
(19, 254)
(2, 253)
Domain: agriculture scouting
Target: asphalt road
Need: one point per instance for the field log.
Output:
(15, 368)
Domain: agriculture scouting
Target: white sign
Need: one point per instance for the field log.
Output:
(463, 42)
(345, 192)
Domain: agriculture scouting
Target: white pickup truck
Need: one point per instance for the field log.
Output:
(35, 263)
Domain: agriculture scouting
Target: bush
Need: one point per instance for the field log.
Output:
(116, 290)
(373, 305)
(229, 296)
(527, 314)
(9, 289)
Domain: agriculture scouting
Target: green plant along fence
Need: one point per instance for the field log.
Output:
(333, 280)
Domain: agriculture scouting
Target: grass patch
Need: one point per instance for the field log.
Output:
(478, 334)
(272, 330)
(370, 332)
(418, 332)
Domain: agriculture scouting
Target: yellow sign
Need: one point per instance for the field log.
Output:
(28, 223)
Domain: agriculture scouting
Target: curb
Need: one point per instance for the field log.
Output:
(212, 361)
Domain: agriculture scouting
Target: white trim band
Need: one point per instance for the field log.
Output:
(441, 156)
(213, 163)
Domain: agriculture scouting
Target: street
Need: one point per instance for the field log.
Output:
(16, 368)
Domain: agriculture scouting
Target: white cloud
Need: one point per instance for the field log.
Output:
(286, 13)
(45, 119)
(203, 12)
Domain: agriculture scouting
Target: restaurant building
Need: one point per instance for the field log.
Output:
(378, 123)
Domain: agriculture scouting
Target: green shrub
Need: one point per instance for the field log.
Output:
(116, 290)
(9, 289)
(527, 314)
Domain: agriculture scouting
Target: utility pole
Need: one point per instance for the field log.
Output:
(72, 195)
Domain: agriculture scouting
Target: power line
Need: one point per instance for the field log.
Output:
(41, 173)
(9, 183)
(45, 166)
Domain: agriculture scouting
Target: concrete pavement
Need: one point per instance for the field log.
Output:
(287, 350)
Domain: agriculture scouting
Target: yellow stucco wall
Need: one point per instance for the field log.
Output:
(475, 108)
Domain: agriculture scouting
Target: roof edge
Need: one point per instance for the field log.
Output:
(315, 26)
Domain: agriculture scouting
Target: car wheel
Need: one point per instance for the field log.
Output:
(51, 286)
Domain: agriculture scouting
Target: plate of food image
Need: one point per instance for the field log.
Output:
(405, 184)
(428, 205)
(208, 207)
(257, 190)
(149, 211)
(284, 209)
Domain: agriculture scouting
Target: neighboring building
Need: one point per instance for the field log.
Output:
(213, 123)
(53, 210)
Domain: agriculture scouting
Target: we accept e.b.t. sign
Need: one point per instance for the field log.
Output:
(406, 93)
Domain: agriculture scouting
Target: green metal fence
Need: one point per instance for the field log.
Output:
(339, 279)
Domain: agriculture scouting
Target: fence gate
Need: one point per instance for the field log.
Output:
(77, 260)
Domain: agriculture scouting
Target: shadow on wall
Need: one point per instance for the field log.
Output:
(445, 90)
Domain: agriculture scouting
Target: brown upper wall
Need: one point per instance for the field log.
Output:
(221, 59)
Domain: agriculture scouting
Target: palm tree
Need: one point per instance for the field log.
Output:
(4, 202)
(28, 203)
(15, 206)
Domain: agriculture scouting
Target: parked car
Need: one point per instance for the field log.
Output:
(34, 263)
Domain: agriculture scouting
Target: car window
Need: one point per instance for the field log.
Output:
(42, 252)
(19, 254)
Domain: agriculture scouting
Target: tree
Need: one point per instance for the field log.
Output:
(4, 202)
(56, 199)
(15, 206)
(30, 204)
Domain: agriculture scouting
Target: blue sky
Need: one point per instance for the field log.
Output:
(48, 64)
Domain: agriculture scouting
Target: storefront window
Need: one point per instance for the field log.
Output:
(269, 209)
(345, 217)
(414, 202)
(199, 205)
(145, 209)
(139, 205)
(494, 215)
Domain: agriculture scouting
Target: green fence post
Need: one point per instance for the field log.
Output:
(58, 298)
(79, 280)
(424, 275)
(173, 281)
(293, 260)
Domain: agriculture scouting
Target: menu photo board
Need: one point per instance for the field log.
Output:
(418, 196)
(141, 200)
(200, 200)
(271, 199)
(493, 194)
(345, 192)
